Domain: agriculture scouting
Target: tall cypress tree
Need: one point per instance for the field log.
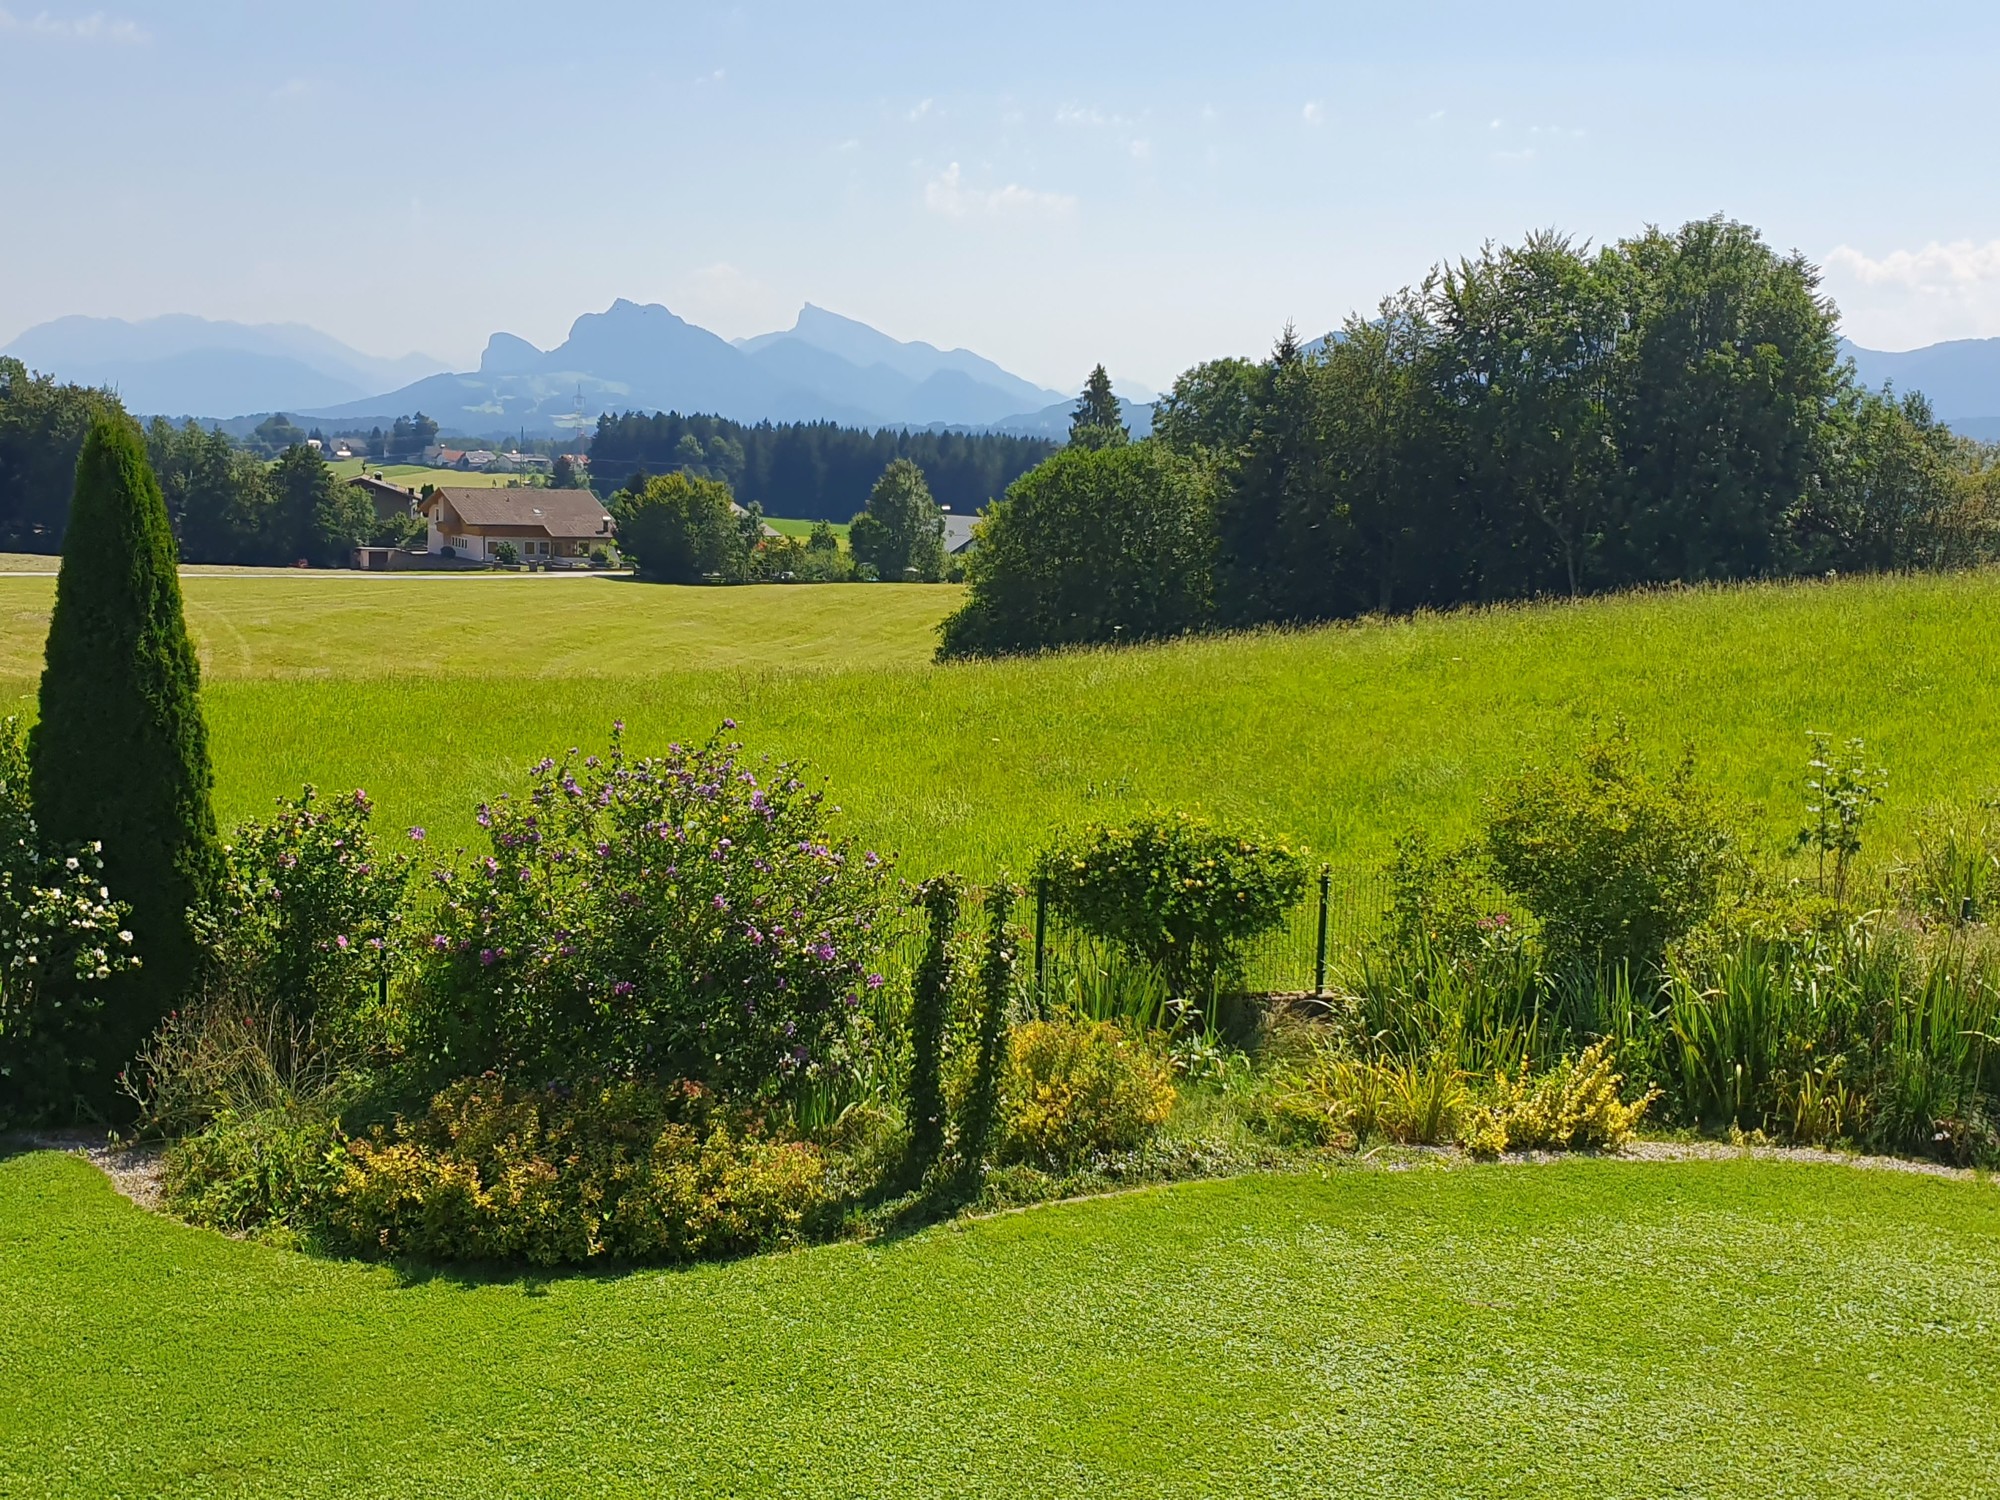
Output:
(120, 754)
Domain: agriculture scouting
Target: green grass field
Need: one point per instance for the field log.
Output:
(1591, 1328)
(416, 476)
(435, 692)
(802, 528)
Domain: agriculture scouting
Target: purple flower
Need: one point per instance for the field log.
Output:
(360, 797)
(340, 942)
(440, 942)
(488, 957)
(485, 816)
(623, 988)
(824, 952)
(416, 835)
(617, 726)
(720, 904)
(728, 723)
(874, 981)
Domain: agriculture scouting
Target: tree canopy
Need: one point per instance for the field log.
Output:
(901, 532)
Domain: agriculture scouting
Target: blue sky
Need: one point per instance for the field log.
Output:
(1048, 184)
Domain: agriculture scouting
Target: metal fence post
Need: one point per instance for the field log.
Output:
(1041, 945)
(1319, 951)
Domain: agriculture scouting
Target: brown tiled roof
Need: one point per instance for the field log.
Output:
(559, 513)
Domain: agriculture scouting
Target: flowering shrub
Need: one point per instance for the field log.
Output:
(625, 1171)
(1177, 891)
(682, 917)
(310, 911)
(1070, 1090)
(61, 937)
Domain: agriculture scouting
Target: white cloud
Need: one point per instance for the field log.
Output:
(95, 27)
(947, 195)
(922, 109)
(1142, 150)
(1935, 268)
(1312, 113)
(1437, 114)
(1905, 298)
(850, 144)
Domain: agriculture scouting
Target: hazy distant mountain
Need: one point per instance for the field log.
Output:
(1053, 421)
(630, 357)
(981, 390)
(644, 358)
(1961, 378)
(180, 365)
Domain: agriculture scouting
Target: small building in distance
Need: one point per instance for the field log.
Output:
(556, 527)
(391, 500)
(958, 534)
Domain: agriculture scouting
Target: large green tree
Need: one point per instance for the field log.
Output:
(677, 528)
(42, 424)
(120, 753)
(901, 533)
(218, 496)
(1094, 545)
(313, 514)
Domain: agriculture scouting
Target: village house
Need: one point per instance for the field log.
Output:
(391, 500)
(558, 527)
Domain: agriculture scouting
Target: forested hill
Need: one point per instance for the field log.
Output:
(808, 470)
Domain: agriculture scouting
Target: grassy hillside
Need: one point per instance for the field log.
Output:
(433, 692)
(1593, 1328)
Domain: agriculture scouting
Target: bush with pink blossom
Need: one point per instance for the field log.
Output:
(691, 916)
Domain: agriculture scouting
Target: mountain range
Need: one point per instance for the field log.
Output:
(631, 356)
(1961, 377)
(186, 366)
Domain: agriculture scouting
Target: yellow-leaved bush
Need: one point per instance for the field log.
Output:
(1071, 1090)
(1577, 1103)
(618, 1171)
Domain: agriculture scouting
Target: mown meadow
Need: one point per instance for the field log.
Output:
(437, 692)
(1590, 1328)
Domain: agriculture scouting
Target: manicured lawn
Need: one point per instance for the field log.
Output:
(1587, 1329)
(434, 692)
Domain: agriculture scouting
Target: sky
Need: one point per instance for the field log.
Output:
(1049, 184)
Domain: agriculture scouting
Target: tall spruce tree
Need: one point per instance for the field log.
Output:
(1098, 421)
(120, 754)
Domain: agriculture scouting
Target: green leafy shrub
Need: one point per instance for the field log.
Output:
(259, 1171)
(1616, 863)
(1175, 890)
(506, 554)
(62, 937)
(981, 1098)
(310, 911)
(619, 1170)
(930, 1015)
(681, 917)
(1071, 1090)
(1577, 1103)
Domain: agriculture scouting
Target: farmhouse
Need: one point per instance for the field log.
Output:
(391, 500)
(543, 525)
